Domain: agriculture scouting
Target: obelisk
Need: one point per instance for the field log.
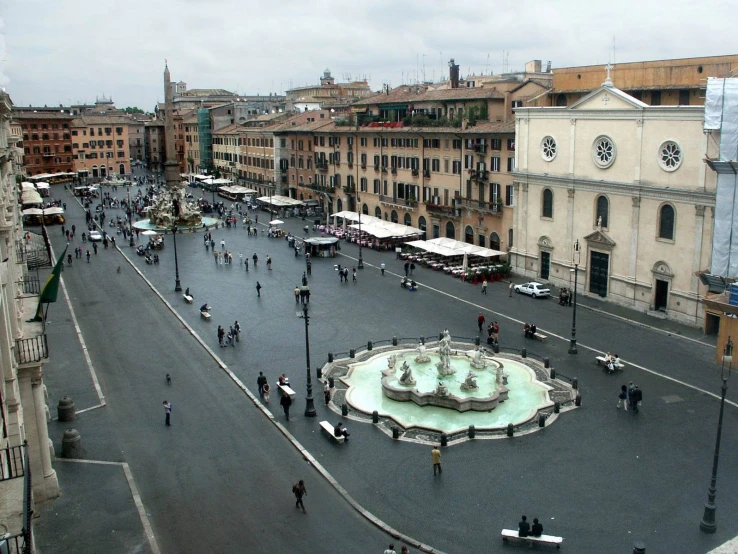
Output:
(171, 166)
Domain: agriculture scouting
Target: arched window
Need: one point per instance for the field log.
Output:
(482, 240)
(394, 216)
(494, 241)
(510, 238)
(122, 169)
(561, 100)
(666, 222)
(469, 235)
(450, 230)
(603, 211)
(378, 212)
(408, 220)
(339, 205)
(421, 223)
(547, 203)
(365, 209)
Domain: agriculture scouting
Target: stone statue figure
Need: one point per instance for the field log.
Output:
(599, 223)
(478, 362)
(422, 356)
(407, 375)
(441, 389)
(391, 361)
(501, 378)
(444, 352)
(469, 383)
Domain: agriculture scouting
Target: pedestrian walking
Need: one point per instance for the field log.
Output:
(88, 256)
(222, 244)
(354, 275)
(412, 268)
(240, 258)
(167, 413)
(221, 335)
(266, 389)
(297, 294)
(390, 550)
(299, 491)
(436, 459)
(237, 330)
(286, 402)
(636, 398)
(260, 382)
(623, 398)
(480, 321)
(407, 268)
(510, 289)
(484, 286)
(258, 289)
(255, 258)
(326, 393)
(496, 332)
(269, 263)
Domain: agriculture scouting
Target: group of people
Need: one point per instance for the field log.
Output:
(410, 284)
(630, 395)
(526, 530)
(612, 363)
(493, 332)
(530, 330)
(232, 337)
(565, 297)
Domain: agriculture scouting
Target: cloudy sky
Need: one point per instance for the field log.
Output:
(70, 51)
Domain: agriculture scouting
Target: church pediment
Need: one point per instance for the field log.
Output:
(608, 98)
(600, 240)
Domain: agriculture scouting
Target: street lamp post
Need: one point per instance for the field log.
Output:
(708, 524)
(361, 260)
(576, 258)
(130, 219)
(177, 286)
(310, 404)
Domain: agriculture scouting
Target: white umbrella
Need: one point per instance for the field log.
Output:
(465, 262)
(276, 222)
(149, 233)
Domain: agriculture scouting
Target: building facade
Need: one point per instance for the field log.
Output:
(47, 141)
(328, 94)
(227, 152)
(626, 182)
(191, 142)
(101, 145)
(258, 167)
(137, 140)
(154, 145)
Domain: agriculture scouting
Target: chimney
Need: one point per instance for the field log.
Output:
(453, 74)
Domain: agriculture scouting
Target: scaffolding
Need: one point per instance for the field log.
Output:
(205, 139)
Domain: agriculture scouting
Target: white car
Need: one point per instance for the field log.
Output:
(536, 290)
(95, 236)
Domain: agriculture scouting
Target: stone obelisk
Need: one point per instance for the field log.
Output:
(171, 166)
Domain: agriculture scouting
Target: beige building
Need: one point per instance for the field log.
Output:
(257, 168)
(23, 353)
(328, 94)
(191, 142)
(137, 140)
(226, 151)
(100, 144)
(625, 181)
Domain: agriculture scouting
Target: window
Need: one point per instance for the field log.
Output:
(511, 144)
(509, 195)
(684, 98)
(511, 163)
(547, 204)
(496, 144)
(670, 156)
(494, 163)
(603, 211)
(603, 152)
(666, 222)
(363, 141)
(456, 167)
(436, 165)
(656, 98)
(408, 220)
(548, 148)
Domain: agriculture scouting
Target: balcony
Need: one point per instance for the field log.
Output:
(479, 174)
(319, 188)
(401, 202)
(31, 350)
(376, 167)
(16, 510)
(384, 169)
(426, 174)
(29, 286)
(394, 171)
(480, 149)
(440, 210)
(321, 165)
(416, 172)
(283, 170)
(492, 208)
(349, 188)
(363, 165)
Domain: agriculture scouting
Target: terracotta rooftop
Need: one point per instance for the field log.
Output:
(96, 119)
(416, 93)
(483, 127)
(20, 115)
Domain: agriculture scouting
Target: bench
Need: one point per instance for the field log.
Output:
(328, 428)
(187, 299)
(205, 316)
(543, 539)
(539, 336)
(286, 389)
(619, 366)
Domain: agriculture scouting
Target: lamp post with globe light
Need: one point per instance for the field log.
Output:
(577, 258)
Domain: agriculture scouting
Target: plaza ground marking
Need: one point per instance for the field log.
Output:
(509, 318)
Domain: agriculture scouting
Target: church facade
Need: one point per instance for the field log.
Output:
(618, 188)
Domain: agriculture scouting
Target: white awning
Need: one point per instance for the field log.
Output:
(31, 197)
(279, 201)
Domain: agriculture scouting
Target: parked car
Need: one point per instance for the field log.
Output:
(95, 236)
(536, 290)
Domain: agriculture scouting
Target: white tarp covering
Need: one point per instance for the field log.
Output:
(721, 113)
(350, 216)
(279, 201)
(466, 248)
(31, 197)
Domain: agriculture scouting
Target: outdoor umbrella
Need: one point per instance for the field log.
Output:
(276, 222)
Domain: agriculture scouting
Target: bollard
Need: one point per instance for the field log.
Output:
(578, 400)
(344, 410)
(639, 547)
(352, 353)
(496, 348)
(394, 340)
(524, 353)
(440, 336)
(375, 416)
(541, 420)
(510, 430)
(422, 340)
(65, 409)
(331, 382)
(557, 407)
(476, 341)
(330, 357)
(369, 345)
(553, 374)
(395, 432)
(319, 372)
(546, 363)
(71, 444)
(472, 431)
(575, 383)
(444, 439)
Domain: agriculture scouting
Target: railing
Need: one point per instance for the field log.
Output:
(398, 201)
(321, 166)
(426, 174)
(394, 171)
(22, 543)
(443, 210)
(29, 285)
(480, 148)
(31, 350)
(480, 205)
(479, 175)
(349, 188)
(12, 462)
(416, 172)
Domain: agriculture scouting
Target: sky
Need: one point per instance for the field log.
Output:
(71, 51)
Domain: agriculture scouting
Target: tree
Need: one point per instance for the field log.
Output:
(132, 110)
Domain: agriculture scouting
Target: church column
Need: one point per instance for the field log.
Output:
(639, 152)
(570, 223)
(635, 216)
(699, 225)
(572, 144)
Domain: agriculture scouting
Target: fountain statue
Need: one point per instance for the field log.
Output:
(391, 361)
(501, 378)
(469, 383)
(407, 376)
(444, 352)
(478, 362)
(422, 356)
(441, 389)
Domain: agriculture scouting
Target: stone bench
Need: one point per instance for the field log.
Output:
(286, 389)
(329, 429)
(538, 335)
(619, 366)
(543, 539)
(205, 315)
(187, 298)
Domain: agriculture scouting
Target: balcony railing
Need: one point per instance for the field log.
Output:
(29, 285)
(479, 174)
(494, 208)
(447, 211)
(416, 172)
(31, 350)
(321, 166)
(15, 465)
(480, 148)
(398, 201)
(11, 459)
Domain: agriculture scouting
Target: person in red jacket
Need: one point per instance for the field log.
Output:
(480, 321)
